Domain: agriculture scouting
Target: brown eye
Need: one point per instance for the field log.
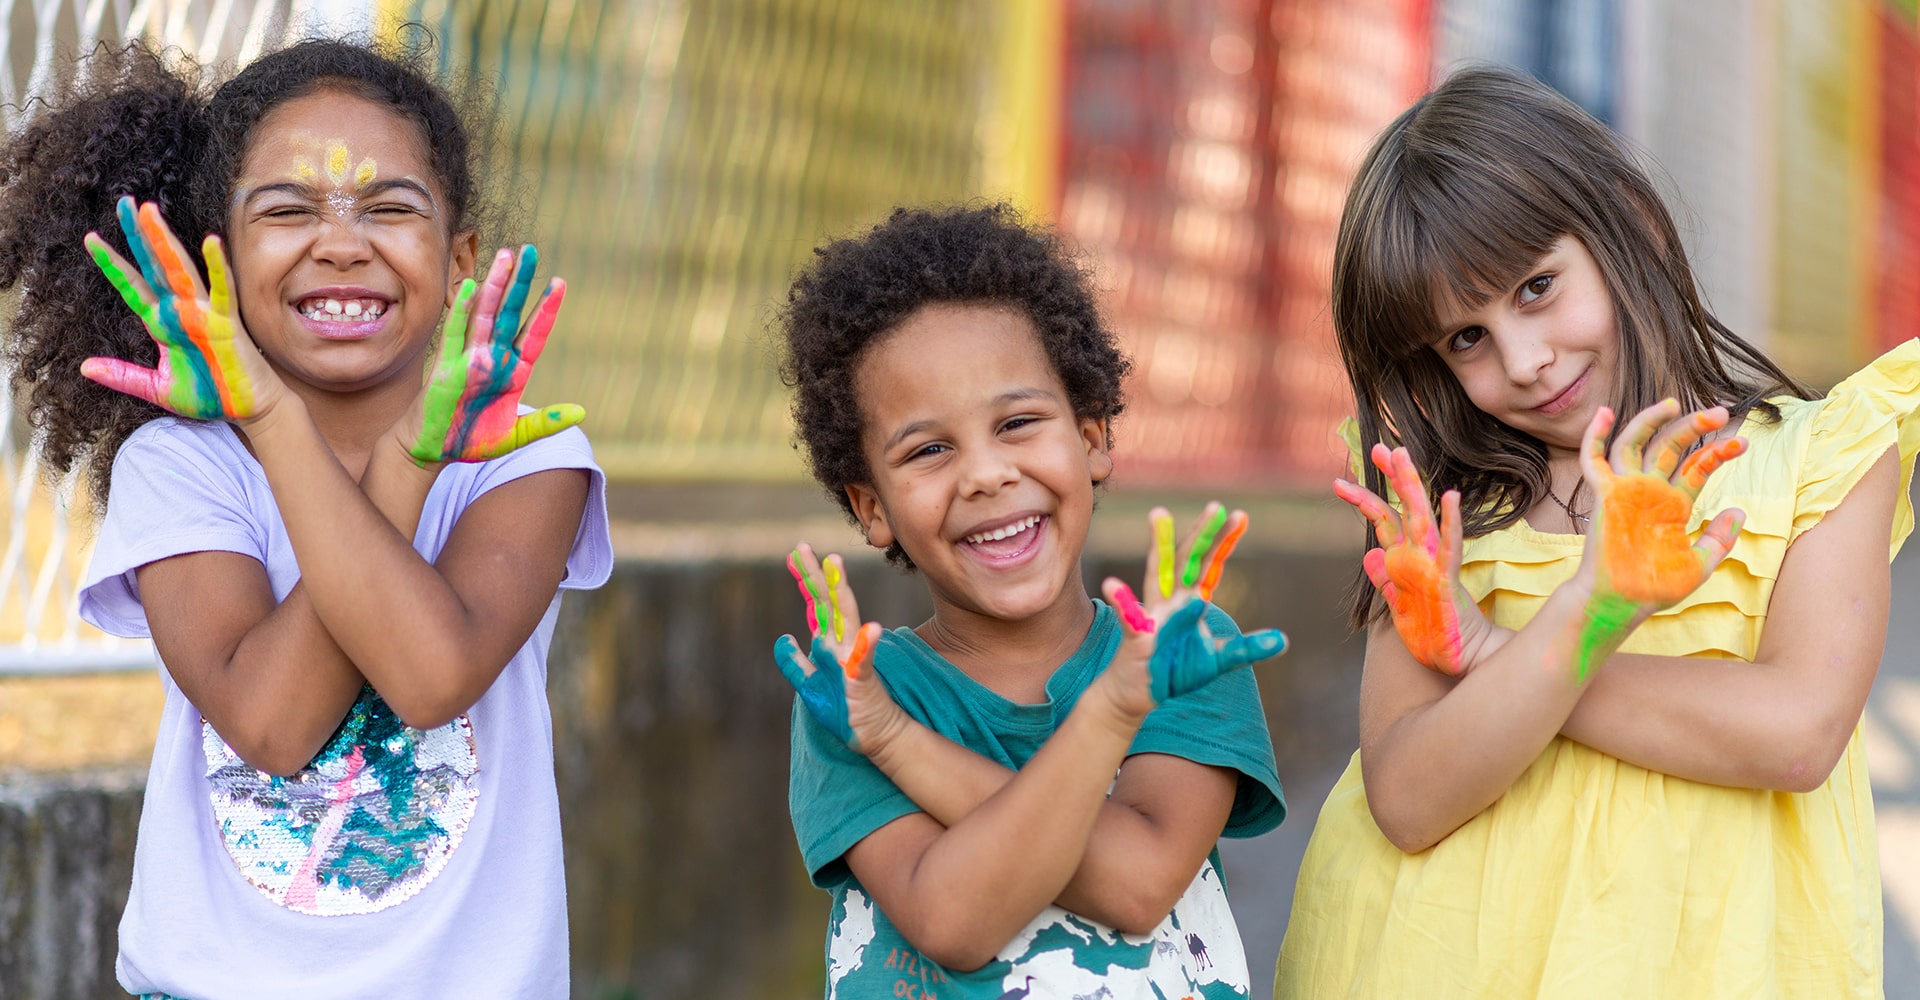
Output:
(1466, 338)
(1535, 287)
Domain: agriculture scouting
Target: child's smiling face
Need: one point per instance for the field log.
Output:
(981, 471)
(340, 235)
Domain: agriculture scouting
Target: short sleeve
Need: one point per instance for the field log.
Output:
(1871, 411)
(836, 797)
(176, 489)
(1223, 725)
(590, 561)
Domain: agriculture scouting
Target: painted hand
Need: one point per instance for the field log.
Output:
(1169, 632)
(470, 409)
(209, 368)
(1639, 553)
(1417, 566)
(834, 680)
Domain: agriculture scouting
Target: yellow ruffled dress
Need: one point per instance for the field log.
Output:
(1593, 877)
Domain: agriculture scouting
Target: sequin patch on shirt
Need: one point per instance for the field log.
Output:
(365, 825)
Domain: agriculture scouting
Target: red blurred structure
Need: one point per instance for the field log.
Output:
(1205, 153)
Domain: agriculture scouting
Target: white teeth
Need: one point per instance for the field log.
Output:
(1004, 532)
(327, 309)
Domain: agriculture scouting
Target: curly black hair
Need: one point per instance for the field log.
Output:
(141, 122)
(860, 288)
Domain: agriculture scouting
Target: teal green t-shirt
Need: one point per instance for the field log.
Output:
(838, 797)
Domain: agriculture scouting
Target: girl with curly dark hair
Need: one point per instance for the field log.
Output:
(349, 574)
(954, 785)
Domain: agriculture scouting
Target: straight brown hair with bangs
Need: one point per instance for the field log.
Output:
(1462, 196)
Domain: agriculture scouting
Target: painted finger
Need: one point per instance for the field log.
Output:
(1716, 541)
(542, 423)
(446, 381)
(128, 212)
(1702, 464)
(1236, 527)
(1375, 565)
(830, 567)
(1385, 521)
(171, 254)
(1202, 545)
(864, 640)
(224, 327)
(1671, 444)
(1413, 500)
(149, 384)
(124, 278)
(486, 306)
(843, 591)
(1135, 616)
(1593, 450)
(220, 297)
(794, 666)
(1162, 549)
(1630, 447)
(1253, 647)
(534, 339)
(819, 617)
(516, 300)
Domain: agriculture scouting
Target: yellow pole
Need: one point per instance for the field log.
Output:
(1020, 130)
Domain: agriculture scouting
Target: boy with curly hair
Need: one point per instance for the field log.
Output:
(1021, 796)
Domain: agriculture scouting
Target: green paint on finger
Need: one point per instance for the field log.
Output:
(1197, 556)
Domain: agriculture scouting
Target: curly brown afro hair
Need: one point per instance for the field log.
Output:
(860, 288)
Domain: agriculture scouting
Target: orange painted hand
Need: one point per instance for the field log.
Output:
(835, 679)
(1417, 566)
(1646, 492)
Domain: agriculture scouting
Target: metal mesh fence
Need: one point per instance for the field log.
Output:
(685, 157)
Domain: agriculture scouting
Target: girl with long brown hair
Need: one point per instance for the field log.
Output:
(1609, 723)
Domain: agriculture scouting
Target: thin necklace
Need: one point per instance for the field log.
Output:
(1576, 515)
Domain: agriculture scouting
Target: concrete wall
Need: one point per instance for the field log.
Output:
(671, 738)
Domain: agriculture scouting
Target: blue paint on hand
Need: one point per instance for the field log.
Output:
(823, 692)
(1186, 657)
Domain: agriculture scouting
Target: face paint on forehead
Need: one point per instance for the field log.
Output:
(345, 176)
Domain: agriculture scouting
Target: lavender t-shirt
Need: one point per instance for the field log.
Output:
(399, 862)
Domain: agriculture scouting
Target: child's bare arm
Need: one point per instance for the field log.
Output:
(1149, 839)
(1782, 721)
(961, 892)
(273, 680)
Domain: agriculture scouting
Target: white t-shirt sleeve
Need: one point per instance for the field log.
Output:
(590, 561)
(172, 494)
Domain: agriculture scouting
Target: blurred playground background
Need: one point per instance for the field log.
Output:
(679, 158)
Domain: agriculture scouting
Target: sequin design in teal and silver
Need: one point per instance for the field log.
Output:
(365, 825)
